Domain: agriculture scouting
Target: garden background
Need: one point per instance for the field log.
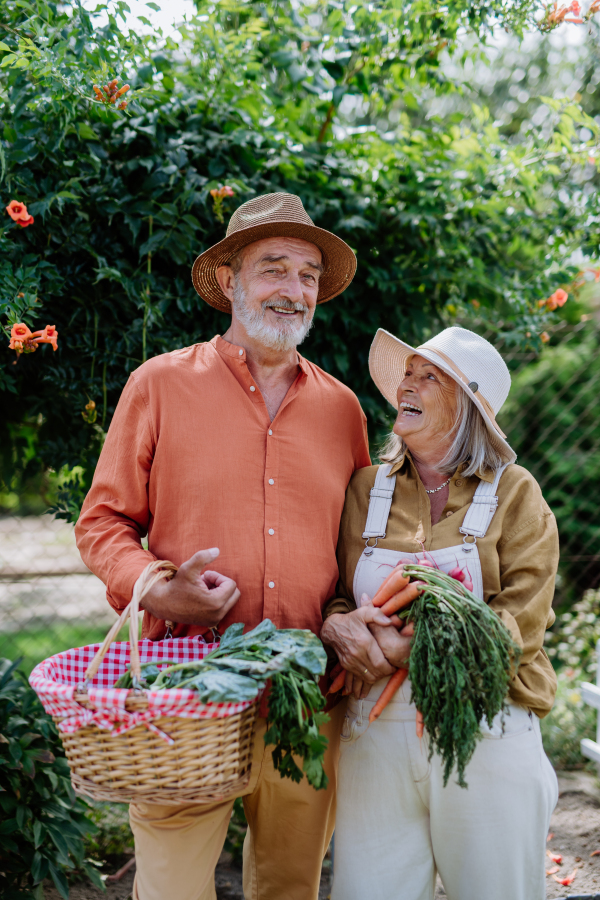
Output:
(454, 147)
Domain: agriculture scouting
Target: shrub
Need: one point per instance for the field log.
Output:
(446, 215)
(552, 421)
(43, 824)
(571, 646)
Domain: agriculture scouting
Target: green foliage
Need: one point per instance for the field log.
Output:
(461, 663)
(551, 417)
(43, 825)
(324, 101)
(112, 838)
(568, 722)
(236, 832)
(571, 646)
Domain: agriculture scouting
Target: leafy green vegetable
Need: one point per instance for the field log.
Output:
(150, 672)
(239, 668)
(462, 660)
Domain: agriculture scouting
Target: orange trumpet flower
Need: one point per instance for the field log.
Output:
(18, 213)
(22, 340)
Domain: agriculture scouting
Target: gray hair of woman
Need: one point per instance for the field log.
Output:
(471, 445)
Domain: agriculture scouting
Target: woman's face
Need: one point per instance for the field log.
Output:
(426, 407)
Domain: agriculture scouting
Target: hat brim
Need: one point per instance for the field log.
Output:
(338, 260)
(388, 359)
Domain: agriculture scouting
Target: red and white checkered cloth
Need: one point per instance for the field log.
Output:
(55, 680)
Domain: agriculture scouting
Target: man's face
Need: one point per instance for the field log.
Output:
(274, 294)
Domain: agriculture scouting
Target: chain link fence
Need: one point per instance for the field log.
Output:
(49, 601)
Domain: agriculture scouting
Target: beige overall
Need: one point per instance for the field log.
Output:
(396, 824)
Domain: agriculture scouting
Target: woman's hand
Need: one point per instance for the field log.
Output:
(395, 645)
(356, 648)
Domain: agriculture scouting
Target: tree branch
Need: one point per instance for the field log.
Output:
(17, 31)
(326, 123)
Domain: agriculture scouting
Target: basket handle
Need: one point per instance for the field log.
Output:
(154, 571)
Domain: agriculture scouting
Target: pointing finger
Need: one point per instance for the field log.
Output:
(202, 558)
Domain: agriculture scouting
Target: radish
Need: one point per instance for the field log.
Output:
(457, 573)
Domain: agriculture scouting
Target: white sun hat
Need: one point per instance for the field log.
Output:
(463, 355)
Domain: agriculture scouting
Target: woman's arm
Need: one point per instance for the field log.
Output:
(528, 554)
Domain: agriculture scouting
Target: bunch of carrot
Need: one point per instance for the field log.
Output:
(462, 658)
(396, 592)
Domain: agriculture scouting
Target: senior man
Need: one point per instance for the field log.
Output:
(238, 444)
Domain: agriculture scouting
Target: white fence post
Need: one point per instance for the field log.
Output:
(590, 694)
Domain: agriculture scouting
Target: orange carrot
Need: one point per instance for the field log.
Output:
(420, 724)
(336, 670)
(397, 601)
(395, 581)
(338, 682)
(396, 680)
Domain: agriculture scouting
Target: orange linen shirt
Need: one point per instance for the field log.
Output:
(192, 459)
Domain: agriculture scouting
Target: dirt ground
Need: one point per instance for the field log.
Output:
(228, 881)
(575, 831)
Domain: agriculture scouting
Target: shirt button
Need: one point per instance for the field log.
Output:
(271, 481)
(458, 482)
(241, 352)
(271, 531)
(270, 432)
(252, 388)
(271, 584)
(449, 513)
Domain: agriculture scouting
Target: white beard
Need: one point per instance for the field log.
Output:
(281, 337)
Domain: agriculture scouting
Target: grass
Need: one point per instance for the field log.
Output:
(38, 644)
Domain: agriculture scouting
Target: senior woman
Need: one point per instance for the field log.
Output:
(448, 491)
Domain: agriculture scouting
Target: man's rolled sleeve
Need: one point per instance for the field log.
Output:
(115, 514)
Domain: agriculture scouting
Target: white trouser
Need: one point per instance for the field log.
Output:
(396, 824)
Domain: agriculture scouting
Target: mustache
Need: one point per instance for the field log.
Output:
(284, 304)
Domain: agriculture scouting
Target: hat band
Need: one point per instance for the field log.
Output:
(486, 405)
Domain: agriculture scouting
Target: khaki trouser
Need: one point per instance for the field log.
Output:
(290, 827)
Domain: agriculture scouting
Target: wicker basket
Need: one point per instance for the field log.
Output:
(208, 760)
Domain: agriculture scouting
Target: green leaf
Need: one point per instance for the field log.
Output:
(60, 881)
(86, 132)
(39, 867)
(38, 832)
(4, 47)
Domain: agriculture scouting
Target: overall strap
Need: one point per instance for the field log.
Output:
(483, 506)
(380, 503)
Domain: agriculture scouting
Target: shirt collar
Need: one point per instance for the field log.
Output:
(233, 350)
(482, 474)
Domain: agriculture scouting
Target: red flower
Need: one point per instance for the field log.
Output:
(568, 880)
(558, 298)
(18, 213)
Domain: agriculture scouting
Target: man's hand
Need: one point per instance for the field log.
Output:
(193, 596)
(356, 648)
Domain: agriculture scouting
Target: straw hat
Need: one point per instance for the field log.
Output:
(274, 215)
(468, 358)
